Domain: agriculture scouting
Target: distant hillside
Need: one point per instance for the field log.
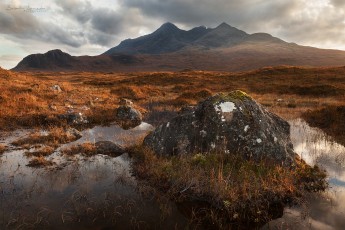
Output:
(224, 48)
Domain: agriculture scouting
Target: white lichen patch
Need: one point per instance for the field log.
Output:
(275, 139)
(258, 140)
(225, 107)
(203, 133)
(246, 128)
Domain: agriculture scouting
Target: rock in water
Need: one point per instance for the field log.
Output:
(109, 148)
(128, 117)
(231, 123)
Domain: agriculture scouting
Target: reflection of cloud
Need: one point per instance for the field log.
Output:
(317, 148)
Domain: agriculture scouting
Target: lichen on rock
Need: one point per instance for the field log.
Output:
(245, 128)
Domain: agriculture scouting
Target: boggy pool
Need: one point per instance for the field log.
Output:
(99, 192)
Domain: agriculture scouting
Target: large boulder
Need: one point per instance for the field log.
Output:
(128, 117)
(232, 123)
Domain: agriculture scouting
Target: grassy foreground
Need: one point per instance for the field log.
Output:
(226, 190)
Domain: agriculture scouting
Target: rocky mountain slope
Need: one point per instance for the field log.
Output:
(169, 48)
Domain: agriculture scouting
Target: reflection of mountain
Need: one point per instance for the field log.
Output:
(223, 48)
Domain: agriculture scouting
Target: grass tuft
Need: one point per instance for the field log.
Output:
(39, 162)
(232, 189)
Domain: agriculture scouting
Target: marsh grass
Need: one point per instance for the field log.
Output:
(330, 119)
(38, 162)
(26, 98)
(232, 190)
(3, 148)
(42, 152)
(54, 137)
(86, 149)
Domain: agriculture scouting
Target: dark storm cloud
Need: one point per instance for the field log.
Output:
(196, 12)
(97, 22)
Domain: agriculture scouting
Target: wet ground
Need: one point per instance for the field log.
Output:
(321, 211)
(80, 192)
(99, 192)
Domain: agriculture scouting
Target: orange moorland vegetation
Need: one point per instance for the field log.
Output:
(27, 99)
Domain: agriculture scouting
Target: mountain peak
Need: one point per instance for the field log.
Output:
(224, 25)
(168, 26)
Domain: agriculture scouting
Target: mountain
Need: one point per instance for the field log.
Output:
(224, 48)
(51, 60)
(168, 38)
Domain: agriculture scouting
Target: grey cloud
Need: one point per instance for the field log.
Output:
(196, 12)
(338, 3)
(26, 26)
(101, 38)
(288, 19)
(97, 23)
(77, 9)
(107, 21)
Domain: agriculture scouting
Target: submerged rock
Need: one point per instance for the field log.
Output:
(128, 117)
(231, 123)
(109, 148)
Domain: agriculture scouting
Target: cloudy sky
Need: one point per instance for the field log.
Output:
(90, 27)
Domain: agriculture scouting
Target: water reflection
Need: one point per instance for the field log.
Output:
(324, 211)
(86, 193)
(100, 192)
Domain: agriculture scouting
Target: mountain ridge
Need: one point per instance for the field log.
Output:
(224, 48)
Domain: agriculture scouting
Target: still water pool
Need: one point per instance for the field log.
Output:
(99, 192)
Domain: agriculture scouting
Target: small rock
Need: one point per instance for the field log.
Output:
(56, 88)
(109, 148)
(74, 118)
(124, 101)
(128, 117)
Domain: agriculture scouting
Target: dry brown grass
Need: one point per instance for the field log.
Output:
(235, 190)
(39, 162)
(86, 149)
(330, 119)
(3, 148)
(25, 98)
(55, 137)
(42, 152)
